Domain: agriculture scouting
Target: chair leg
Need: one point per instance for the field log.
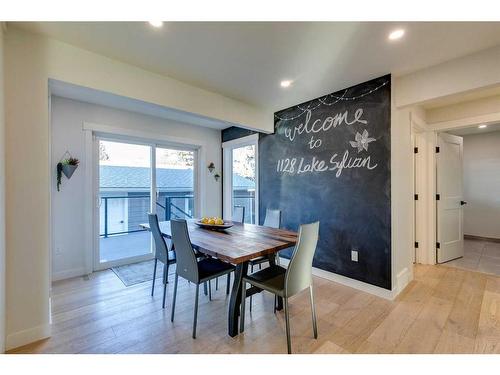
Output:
(209, 290)
(313, 310)
(260, 266)
(195, 319)
(175, 296)
(242, 306)
(216, 283)
(154, 277)
(251, 297)
(287, 326)
(205, 288)
(164, 294)
(165, 273)
(228, 283)
(275, 302)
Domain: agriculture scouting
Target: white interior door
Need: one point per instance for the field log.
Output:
(450, 233)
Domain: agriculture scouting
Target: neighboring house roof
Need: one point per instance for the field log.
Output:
(115, 177)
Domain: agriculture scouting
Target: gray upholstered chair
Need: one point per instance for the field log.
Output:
(189, 268)
(162, 254)
(288, 282)
(272, 220)
(238, 214)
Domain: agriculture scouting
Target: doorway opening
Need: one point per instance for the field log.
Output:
(241, 177)
(468, 207)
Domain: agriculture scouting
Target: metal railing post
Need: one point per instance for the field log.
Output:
(105, 217)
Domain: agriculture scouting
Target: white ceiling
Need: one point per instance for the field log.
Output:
(476, 130)
(247, 61)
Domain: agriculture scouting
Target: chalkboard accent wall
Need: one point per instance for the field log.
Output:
(234, 132)
(329, 160)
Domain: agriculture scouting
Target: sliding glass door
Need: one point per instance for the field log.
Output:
(129, 174)
(241, 177)
(124, 201)
(174, 183)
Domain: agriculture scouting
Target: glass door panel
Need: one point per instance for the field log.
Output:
(174, 183)
(243, 180)
(124, 201)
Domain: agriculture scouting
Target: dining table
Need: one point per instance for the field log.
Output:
(237, 245)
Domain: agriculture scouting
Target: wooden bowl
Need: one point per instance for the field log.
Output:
(226, 225)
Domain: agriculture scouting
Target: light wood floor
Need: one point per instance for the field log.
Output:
(444, 310)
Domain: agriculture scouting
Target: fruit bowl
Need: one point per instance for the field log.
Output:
(226, 225)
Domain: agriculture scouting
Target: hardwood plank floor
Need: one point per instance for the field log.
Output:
(443, 310)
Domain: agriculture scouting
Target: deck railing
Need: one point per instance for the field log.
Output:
(167, 207)
(171, 207)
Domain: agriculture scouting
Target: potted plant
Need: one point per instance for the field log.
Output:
(68, 167)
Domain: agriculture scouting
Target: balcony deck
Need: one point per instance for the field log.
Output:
(124, 246)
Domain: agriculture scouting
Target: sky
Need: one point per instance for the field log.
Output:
(132, 155)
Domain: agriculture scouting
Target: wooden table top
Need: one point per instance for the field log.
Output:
(237, 244)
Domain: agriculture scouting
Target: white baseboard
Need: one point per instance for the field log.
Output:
(356, 284)
(68, 274)
(403, 279)
(17, 339)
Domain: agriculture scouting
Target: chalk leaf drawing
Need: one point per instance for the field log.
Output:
(361, 141)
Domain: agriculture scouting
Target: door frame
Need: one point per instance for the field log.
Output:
(427, 253)
(227, 158)
(113, 133)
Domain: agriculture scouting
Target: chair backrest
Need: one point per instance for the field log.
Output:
(160, 245)
(187, 266)
(239, 214)
(299, 272)
(273, 219)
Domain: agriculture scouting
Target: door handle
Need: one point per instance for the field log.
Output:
(462, 203)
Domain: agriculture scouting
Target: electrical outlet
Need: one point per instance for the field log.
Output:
(354, 255)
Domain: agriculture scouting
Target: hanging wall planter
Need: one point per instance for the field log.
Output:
(67, 166)
(68, 170)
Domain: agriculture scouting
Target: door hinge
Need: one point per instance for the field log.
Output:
(415, 150)
(438, 197)
(416, 197)
(416, 245)
(437, 149)
(438, 245)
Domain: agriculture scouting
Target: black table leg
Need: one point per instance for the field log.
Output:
(235, 301)
(272, 262)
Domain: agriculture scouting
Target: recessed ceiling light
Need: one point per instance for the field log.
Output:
(396, 34)
(156, 23)
(482, 126)
(286, 83)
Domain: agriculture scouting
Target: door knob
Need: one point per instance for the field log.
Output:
(462, 203)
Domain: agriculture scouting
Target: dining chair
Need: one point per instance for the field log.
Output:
(287, 282)
(272, 220)
(165, 256)
(189, 268)
(162, 254)
(238, 214)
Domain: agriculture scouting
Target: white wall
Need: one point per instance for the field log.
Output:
(464, 74)
(2, 199)
(482, 184)
(67, 205)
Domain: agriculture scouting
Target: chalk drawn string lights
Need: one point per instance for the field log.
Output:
(323, 101)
